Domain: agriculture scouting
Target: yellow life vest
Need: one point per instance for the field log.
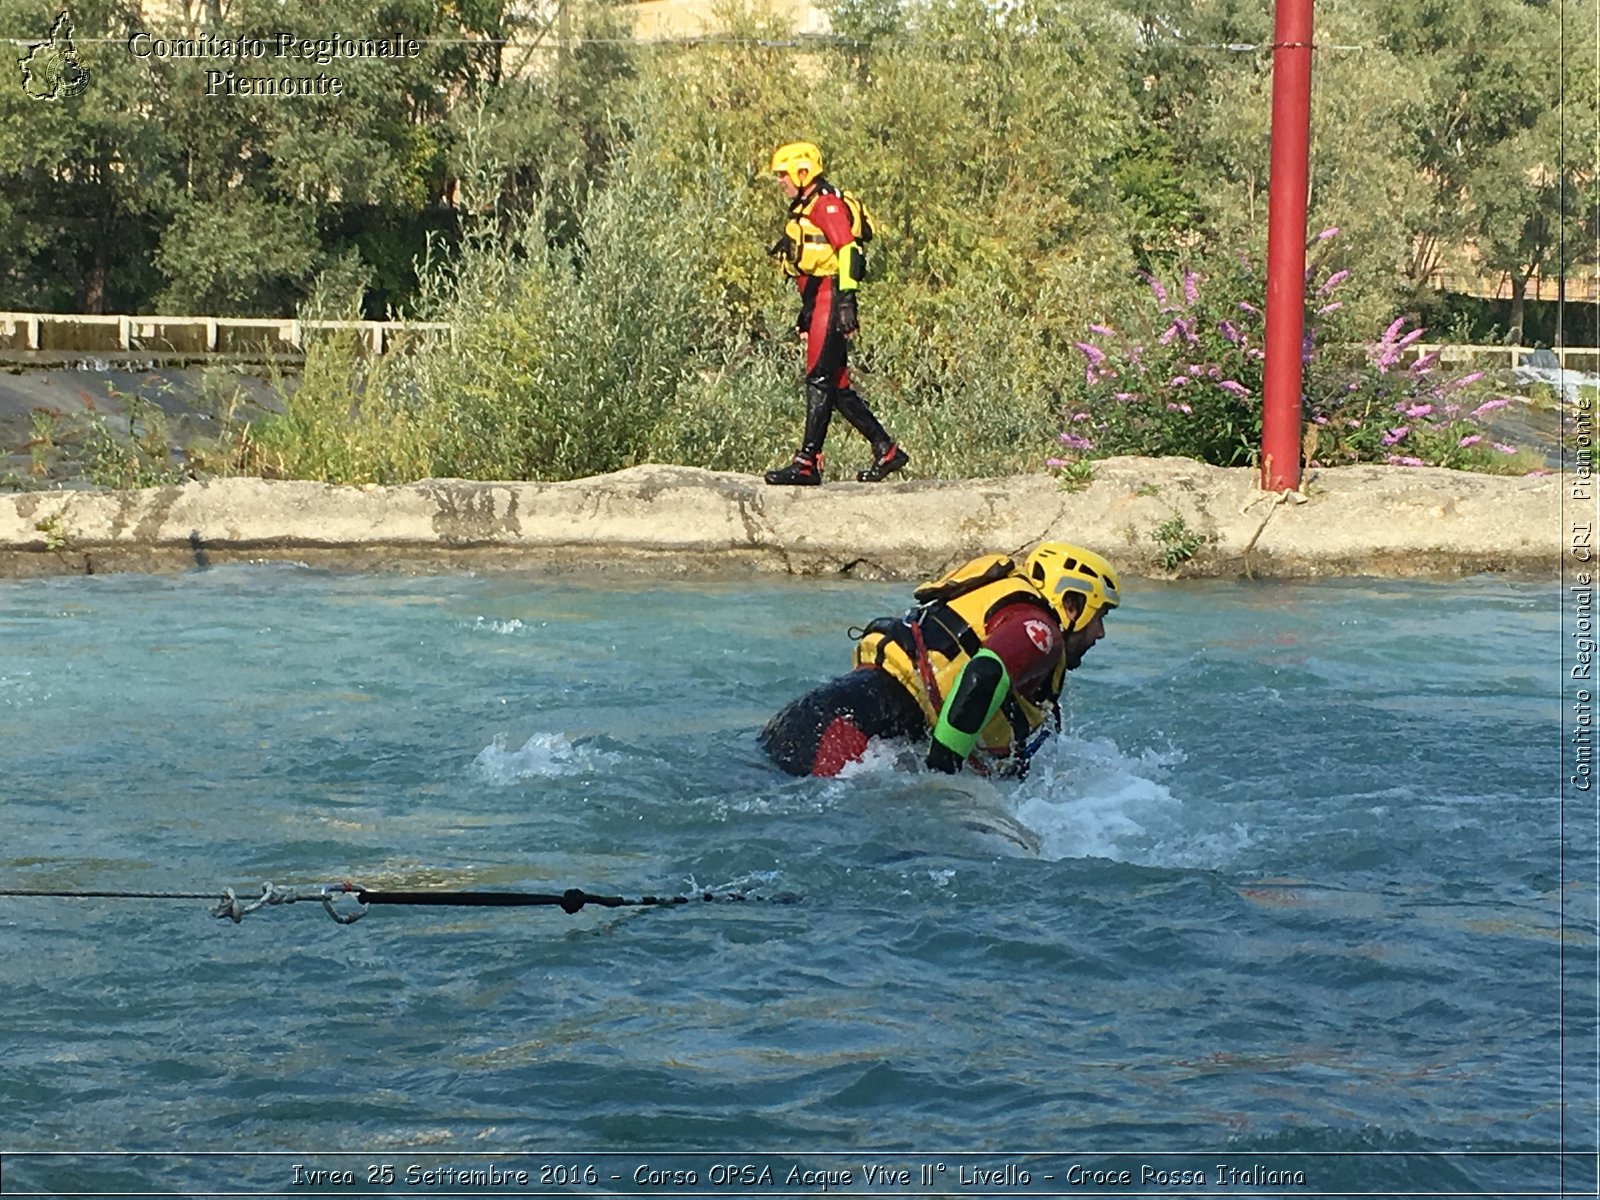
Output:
(927, 648)
(805, 250)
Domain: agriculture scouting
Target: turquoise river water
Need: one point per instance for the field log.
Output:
(1291, 909)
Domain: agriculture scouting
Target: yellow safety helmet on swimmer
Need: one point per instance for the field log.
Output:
(1057, 569)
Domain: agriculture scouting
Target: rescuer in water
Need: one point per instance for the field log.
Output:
(823, 250)
(977, 667)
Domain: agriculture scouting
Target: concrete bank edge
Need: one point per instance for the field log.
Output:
(1368, 520)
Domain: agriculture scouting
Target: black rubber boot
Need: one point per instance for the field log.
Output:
(884, 464)
(819, 415)
(804, 471)
(854, 409)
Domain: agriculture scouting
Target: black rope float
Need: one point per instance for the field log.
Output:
(570, 901)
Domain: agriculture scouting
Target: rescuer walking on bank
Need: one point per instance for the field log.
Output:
(822, 249)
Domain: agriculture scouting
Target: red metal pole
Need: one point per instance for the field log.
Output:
(1286, 244)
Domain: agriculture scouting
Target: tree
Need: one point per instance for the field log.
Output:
(85, 180)
(1528, 186)
(1488, 134)
(161, 185)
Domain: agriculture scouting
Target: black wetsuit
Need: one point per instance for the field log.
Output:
(828, 727)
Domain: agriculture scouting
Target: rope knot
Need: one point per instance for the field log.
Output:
(229, 907)
(343, 918)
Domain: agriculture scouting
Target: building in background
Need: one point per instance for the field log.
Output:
(667, 19)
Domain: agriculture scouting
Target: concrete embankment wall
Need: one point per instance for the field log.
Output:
(676, 520)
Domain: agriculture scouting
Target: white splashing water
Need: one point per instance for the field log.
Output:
(511, 626)
(542, 756)
(1086, 798)
(881, 757)
(1083, 798)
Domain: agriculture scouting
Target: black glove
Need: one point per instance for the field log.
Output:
(845, 318)
(942, 758)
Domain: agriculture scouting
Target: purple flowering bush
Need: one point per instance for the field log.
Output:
(1184, 379)
(1401, 409)
(1185, 376)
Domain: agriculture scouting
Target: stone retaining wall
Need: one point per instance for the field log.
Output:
(1142, 513)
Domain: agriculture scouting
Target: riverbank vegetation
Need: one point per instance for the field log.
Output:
(1051, 180)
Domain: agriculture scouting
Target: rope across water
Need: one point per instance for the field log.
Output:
(570, 901)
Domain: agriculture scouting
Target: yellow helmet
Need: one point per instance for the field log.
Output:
(1056, 569)
(800, 161)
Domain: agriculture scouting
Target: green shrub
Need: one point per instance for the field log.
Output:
(343, 421)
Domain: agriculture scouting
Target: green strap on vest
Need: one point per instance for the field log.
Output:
(961, 706)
